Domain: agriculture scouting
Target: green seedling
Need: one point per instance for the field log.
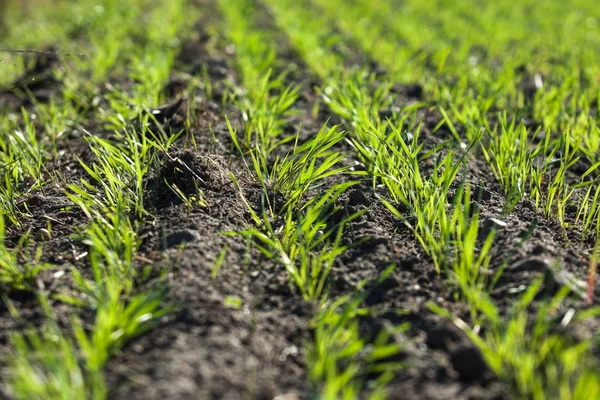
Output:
(305, 245)
(117, 323)
(302, 169)
(45, 365)
(219, 262)
(190, 201)
(519, 168)
(17, 270)
(342, 357)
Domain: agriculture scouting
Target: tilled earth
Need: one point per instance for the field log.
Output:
(253, 347)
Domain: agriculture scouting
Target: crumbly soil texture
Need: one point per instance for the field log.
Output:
(243, 334)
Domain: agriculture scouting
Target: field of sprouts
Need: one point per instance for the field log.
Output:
(299, 199)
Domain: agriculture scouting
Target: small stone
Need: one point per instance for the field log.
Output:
(491, 224)
(180, 237)
(529, 205)
(518, 289)
(498, 223)
(414, 90)
(36, 200)
(58, 274)
(571, 209)
(42, 235)
(340, 283)
(287, 396)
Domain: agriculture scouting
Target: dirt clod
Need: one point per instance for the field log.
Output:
(181, 237)
(358, 198)
(469, 363)
(443, 337)
(188, 174)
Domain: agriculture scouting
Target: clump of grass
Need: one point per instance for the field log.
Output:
(588, 212)
(116, 182)
(151, 62)
(301, 169)
(113, 244)
(118, 322)
(305, 244)
(46, 365)
(470, 255)
(265, 115)
(360, 98)
(519, 168)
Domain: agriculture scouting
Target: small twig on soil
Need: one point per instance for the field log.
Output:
(47, 52)
(8, 63)
(180, 162)
(28, 51)
(15, 87)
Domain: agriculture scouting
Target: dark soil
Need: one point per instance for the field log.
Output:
(242, 334)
